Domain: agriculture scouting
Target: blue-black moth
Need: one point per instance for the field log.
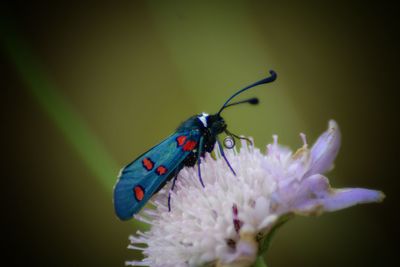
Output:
(148, 173)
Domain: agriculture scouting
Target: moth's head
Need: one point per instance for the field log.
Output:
(216, 124)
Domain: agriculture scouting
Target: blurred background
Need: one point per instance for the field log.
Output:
(86, 87)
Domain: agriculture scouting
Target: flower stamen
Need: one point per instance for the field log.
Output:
(304, 139)
(236, 222)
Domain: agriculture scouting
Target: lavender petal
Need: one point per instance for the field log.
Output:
(325, 150)
(316, 196)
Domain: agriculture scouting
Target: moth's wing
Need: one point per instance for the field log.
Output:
(140, 179)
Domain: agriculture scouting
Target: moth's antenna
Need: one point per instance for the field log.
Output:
(252, 101)
(263, 81)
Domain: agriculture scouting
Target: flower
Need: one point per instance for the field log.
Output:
(225, 222)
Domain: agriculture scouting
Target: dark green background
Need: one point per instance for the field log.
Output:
(87, 87)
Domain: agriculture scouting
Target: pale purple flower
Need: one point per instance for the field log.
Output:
(225, 222)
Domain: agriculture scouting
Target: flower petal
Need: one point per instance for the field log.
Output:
(316, 196)
(324, 151)
(344, 198)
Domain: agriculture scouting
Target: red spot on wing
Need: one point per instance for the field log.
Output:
(148, 164)
(189, 145)
(161, 170)
(181, 140)
(139, 192)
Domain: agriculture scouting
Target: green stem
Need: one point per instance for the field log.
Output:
(260, 262)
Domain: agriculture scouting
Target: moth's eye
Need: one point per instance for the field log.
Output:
(229, 142)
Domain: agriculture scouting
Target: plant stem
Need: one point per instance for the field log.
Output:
(260, 262)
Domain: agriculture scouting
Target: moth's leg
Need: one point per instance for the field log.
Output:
(171, 189)
(199, 153)
(221, 149)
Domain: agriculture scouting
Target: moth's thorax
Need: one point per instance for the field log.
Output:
(203, 119)
(208, 124)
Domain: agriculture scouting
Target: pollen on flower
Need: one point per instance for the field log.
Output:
(224, 221)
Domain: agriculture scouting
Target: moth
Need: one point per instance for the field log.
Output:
(148, 173)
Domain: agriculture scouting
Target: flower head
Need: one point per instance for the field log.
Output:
(225, 221)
